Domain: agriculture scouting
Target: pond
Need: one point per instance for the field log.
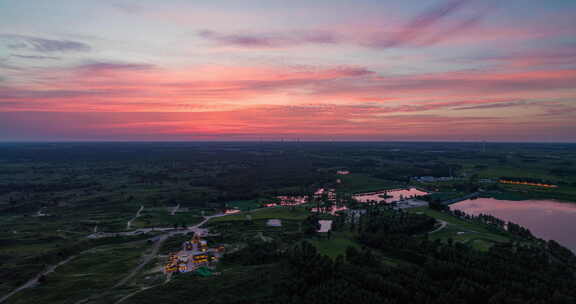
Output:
(546, 219)
(395, 195)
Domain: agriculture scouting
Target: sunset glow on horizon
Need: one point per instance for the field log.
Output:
(368, 70)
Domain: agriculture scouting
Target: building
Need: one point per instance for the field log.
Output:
(194, 254)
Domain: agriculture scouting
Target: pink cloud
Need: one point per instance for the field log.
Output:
(251, 124)
(141, 87)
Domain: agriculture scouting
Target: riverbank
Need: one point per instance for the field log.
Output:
(545, 218)
(516, 195)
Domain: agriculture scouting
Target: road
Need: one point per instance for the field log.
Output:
(132, 294)
(158, 241)
(195, 228)
(129, 224)
(175, 209)
(32, 282)
(443, 224)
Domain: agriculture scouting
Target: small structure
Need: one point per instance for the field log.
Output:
(431, 179)
(325, 225)
(183, 268)
(200, 258)
(274, 223)
(203, 245)
(195, 253)
(232, 211)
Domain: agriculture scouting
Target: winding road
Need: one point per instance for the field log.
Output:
(158, 241)
(129, 224)
(175, 209)
(443, 224)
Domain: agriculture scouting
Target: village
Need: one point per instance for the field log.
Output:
(195, 256)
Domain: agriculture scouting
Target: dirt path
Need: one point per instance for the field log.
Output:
(158, 241)
(443, 224)
(146, 260)
(129, 224)
(175, 209)
(132, 294)
(34, 281)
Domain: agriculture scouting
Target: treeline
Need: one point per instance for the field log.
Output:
(430, 271)
(266, 177)
(405, 171)
(43, 187)
(494, 222)
(391, 266)
(497, 224)
(442, 273)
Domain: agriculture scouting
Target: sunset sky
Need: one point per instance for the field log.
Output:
(361, 70)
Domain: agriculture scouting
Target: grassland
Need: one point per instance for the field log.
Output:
(283, 213)
(252, 282)
(91, 272)
(335, 245)
(244, 205)
(477, 235)
(161, 217)
(358, 182)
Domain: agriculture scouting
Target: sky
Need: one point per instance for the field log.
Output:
(313, 70)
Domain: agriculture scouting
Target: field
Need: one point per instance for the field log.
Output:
(244, 205)
(88, 273)
(335, 245)
(357, 183)
(283, 213)
(477, 235)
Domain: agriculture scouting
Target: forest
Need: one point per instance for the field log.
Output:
(427, 271)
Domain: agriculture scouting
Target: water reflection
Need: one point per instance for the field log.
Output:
(546, 219)
(389, 196)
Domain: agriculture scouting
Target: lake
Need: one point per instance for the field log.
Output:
(546, 219)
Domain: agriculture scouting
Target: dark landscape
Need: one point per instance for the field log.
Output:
(287, 152)
(56, 196)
